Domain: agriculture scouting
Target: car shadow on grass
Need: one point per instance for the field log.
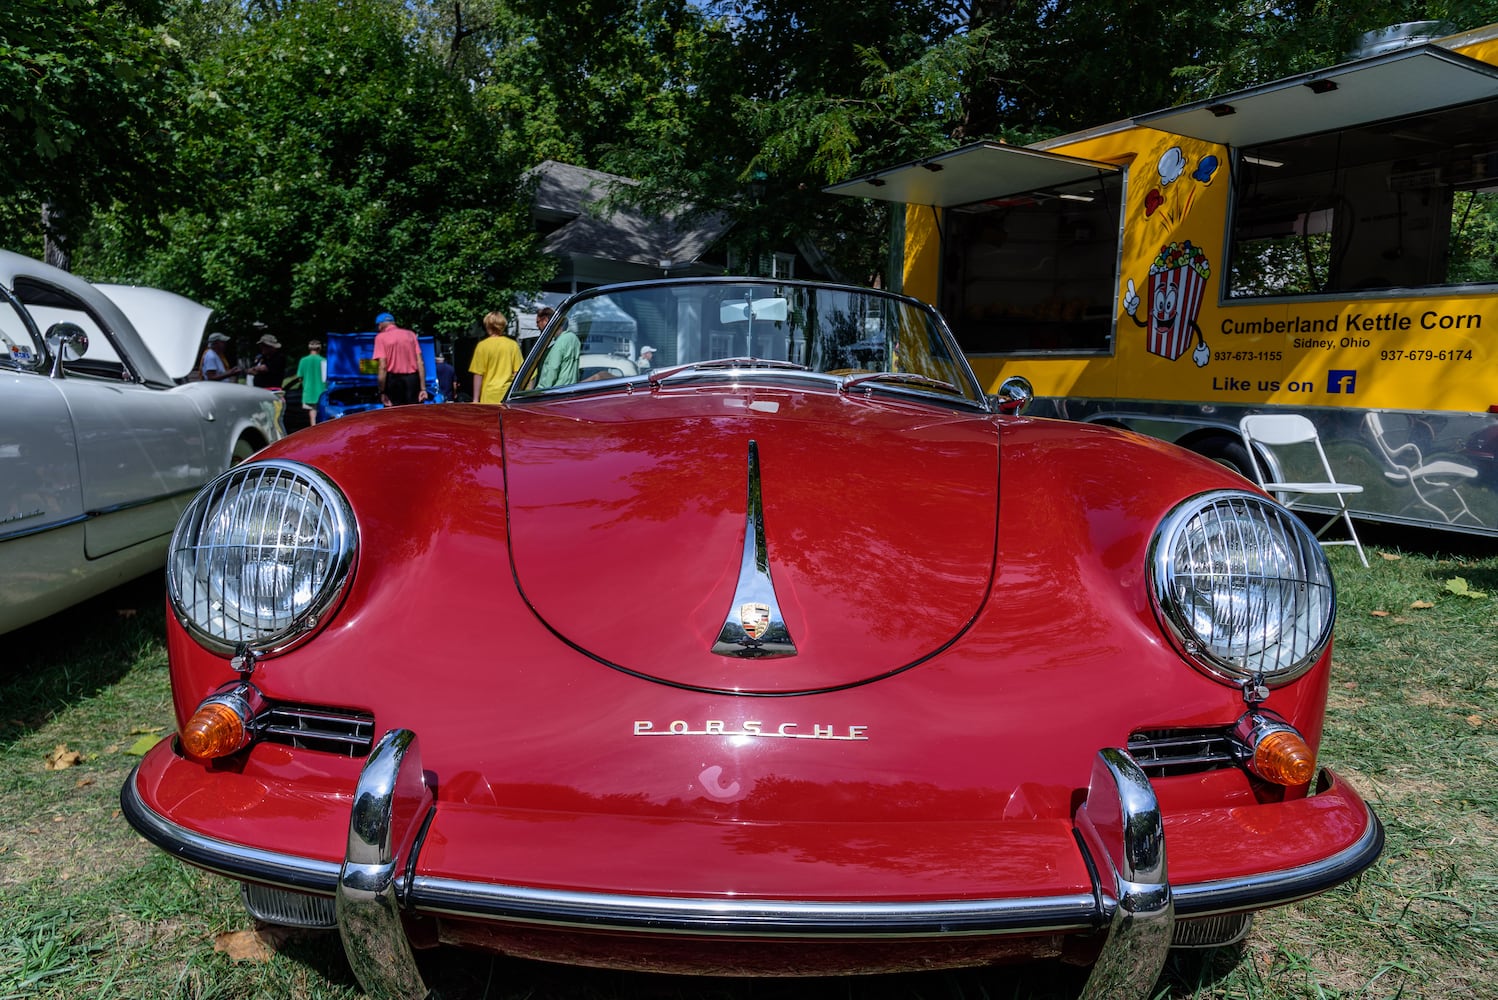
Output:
(459, 974)
(76, 653)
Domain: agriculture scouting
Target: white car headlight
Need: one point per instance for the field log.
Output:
(260, 557)
(1243, 586)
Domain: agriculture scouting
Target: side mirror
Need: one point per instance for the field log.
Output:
(1014, 394)
(65, 342)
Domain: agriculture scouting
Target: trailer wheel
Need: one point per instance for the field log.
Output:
(1226, 451)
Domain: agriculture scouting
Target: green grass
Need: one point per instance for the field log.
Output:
(88, 909)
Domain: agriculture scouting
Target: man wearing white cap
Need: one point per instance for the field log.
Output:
(647, 357)
(214, 367)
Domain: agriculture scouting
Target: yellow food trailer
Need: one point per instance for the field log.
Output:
(1323, 243)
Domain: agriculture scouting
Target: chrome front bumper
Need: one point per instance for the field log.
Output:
(1119, 827)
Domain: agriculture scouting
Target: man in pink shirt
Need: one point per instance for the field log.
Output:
(403, 376)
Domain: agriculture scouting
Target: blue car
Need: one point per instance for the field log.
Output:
(353, 383)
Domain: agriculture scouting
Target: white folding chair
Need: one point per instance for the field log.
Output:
(1427, 479)
(1273, 439)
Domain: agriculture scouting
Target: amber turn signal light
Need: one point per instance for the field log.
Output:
(1273, 749)
(1282, 757)
(219, 727)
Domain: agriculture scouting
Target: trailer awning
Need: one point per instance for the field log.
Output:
(1404, 82)
(978, 172)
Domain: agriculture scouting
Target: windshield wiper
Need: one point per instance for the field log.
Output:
(901, 378)
(656, 377)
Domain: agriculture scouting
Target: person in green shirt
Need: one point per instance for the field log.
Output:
(561, 364)
(313, 371)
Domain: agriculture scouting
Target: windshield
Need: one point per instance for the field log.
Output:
(658, 331)
(19, 346)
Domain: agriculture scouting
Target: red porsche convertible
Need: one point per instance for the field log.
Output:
(793, 653)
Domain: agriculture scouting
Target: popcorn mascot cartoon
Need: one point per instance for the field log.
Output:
(1177, 279)
(1178, 276)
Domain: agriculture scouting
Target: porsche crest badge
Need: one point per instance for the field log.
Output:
(754, 617)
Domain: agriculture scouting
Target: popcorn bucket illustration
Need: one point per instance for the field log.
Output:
(1177, 282)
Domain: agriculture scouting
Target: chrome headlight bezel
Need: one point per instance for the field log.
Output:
(1242, 587)
(261, 557)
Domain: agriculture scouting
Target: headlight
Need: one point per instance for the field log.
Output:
(1243, 586)
(260, 557)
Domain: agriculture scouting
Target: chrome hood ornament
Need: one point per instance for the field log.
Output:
(754, 628)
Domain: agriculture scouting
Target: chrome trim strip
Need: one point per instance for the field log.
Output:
(1256, 892)
(755, 626)
(146, 502)
(43, 528)
(1122, 828)
(237, 861)
(390, 802)
(758, 918)
(90, 515)
(730, 917)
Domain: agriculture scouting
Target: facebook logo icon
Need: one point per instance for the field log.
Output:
(1340, 380)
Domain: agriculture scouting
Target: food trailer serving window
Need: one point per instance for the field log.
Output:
(1390, 179)
(1029, 244)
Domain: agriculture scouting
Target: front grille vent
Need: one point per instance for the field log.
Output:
(333, 730)
(1166, 752)
(288, 909)
(1211, 932)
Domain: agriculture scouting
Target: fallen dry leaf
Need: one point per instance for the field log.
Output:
(1422, 604)
(1475, 721)
(1379, 614)
(258, 945)
(1391, 556)
(62, 758)
(83, 782)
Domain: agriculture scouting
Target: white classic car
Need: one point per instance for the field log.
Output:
(103, 442)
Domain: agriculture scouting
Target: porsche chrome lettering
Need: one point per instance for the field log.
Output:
(753, 727)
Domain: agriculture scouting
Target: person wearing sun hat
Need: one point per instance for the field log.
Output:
(397, 354)
(269, 368)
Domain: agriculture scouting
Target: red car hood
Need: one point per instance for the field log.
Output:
(879, 520)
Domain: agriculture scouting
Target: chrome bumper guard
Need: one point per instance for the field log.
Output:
(1120, 825)
(1119, 828)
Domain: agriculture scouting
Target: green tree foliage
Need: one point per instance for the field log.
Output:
(341, 171)
(88, 113)
(304, 162)
(770, 101)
